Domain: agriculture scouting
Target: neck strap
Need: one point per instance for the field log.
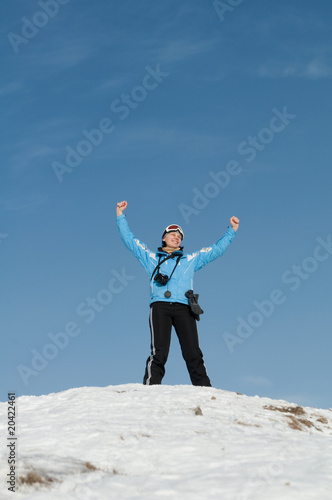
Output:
(164, 260)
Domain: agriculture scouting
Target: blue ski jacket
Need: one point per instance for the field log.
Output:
(182, 279)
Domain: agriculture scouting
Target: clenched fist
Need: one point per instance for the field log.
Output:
(120, 207)
(234, 223)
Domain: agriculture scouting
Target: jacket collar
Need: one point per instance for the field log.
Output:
(162, 252)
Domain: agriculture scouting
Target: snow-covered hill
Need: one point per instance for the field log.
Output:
(167, 442)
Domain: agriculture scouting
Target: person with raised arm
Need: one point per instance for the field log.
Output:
(172, 300)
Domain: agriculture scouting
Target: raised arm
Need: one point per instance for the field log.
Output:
(138, 249)
(207, 255)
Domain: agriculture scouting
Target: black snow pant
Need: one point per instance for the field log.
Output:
(164, 315)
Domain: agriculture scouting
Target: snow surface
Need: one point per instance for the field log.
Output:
(168, 442)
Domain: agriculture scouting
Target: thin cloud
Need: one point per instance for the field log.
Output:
(10, 88)
(58, 58)
(272, 71)
(301, 399)
(112, 84)
(258, 168)
(143, 52)
(316, 69)
(28, 154)
(132, 141)
(180, 50)
(52, 136)
(22, 203)
(256, 381)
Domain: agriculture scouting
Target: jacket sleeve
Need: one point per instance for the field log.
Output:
(138, 249)
(207, 255)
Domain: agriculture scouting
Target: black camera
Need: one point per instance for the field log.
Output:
(162, 279)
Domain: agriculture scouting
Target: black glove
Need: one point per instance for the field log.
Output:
(193, 302)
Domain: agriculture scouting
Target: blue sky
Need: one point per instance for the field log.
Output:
(192, 112)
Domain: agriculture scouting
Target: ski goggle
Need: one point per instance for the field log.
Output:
(173, 227)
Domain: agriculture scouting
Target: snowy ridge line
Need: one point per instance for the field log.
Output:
(136, 442)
